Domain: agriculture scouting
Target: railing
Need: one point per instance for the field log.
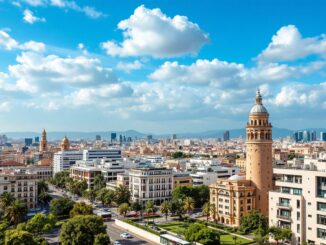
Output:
(286, 205)
(284, 217)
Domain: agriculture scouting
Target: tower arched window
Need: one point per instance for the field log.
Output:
(255, 135)
(262, 135)
(259, 122)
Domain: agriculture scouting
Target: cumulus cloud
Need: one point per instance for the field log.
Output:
(36, 72)
(288, 45)
(30, 18)
(150, 32)
(9, 43)
(131, 66)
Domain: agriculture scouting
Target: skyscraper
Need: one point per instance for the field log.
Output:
(113, 137)
(322, 136)
(313, 135)
(259, 153)
(226, 135)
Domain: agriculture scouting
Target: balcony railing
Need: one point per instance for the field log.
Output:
(284, 217)
(284, 205)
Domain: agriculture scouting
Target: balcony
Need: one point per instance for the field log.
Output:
(284, 217)
(284, 205)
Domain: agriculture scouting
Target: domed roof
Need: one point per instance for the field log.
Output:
(258, 108)
(237, 177)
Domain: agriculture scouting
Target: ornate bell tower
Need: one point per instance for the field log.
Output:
(44, 142)
(259, 153)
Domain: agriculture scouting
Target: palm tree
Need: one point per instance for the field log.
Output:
(44, 198)
(99, 182)
(164, 208)
(16, 212)
(150, 208)
(122, 194)
(90, 194)
(6, 200)
(123, 209)
(188, 204)
(42, 186)
(208, 209)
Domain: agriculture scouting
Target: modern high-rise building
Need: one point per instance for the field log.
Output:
(98, 137)
(313, 135)
(306, 136)
(37, 139)
(226, 135)
(322, 136)
(28, 141)
(113, 137)
(259, 153)
(64, 160)
(110, 154)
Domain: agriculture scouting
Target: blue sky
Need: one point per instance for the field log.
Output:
(159, 67)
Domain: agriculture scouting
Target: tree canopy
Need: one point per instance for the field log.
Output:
(252, 221)
(200, 233)
(61, 206)
(200, 194)
(81, 208)
(82, 229)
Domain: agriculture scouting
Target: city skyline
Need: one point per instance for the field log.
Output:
(69, 66)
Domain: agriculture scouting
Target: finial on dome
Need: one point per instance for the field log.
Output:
(258, 98)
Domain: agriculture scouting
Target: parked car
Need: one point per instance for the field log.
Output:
(117, 243)
(125, 235)
(156, 228)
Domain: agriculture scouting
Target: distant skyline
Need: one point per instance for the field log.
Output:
(158, 67)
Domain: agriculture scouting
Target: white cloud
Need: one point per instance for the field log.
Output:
(30, 18)
(35, 72)
(288, 45)
(67, 5)
(151, 32)
(7, 42)
(128, 67)
(10, 44)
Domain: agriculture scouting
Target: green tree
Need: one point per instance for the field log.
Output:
(150, 208)
(200, 233)
(90, 194)
(44, 198)
(164, 208)
(81, 208)
(261, 236)
(176, 207)
(3, 227)
(279, 233)
(123, 209)
(17, 237)
(42, 186)
(81, 229)
(102, 239)
(106, 196)
(207, 210)
(99, 182)
(41, 223)
(122, 194)
(16, 212)
(6, 199)
(60, 179)
(252, 221)
(136, 206)
(177, 154)
(61, 207)
(188, 205)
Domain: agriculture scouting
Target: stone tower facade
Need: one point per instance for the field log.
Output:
(65, 144)
(44, 142)
(259, 168)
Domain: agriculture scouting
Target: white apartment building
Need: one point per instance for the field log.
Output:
(21, 184)
(194, 164)
(207, 175)
(151, 184)
(87, 170)
(63, 160)
(299, 202)
(153, 159)
(92, 154)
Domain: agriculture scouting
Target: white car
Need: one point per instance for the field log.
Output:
(125, 235)
(117, 243)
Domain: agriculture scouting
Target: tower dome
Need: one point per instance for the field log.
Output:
(65, 144)
(258, 108)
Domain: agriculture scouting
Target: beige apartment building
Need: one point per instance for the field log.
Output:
(299, 203)
(21, 184)
(233, 198)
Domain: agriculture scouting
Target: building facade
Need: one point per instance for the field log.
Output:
(64, 160)
(259, 153)
(151, 184)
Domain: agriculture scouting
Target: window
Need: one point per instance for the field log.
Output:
(248, 201)
(321, 206)
(298, 203)
(298, 215)
(321, 233)
(298, 228)
(248, 208)
(321, 219)
(321, 187)
(297, 191)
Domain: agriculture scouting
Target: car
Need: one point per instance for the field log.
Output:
(125, 235)
(117, 243)
(155, 228)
